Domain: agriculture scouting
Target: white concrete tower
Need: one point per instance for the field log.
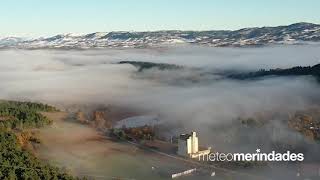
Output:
(194, 142)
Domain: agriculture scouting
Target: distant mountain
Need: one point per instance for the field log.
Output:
(10, 41)
(258, 36)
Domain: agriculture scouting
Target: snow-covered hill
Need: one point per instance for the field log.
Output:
(291, 34)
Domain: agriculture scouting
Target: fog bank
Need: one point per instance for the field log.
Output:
(66, 77)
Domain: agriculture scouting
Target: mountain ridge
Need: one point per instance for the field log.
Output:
(297, 33)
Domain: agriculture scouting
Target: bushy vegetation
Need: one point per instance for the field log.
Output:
(15, 162)
(137, 134)
(23, 114)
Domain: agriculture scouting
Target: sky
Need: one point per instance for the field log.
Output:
(49, 17)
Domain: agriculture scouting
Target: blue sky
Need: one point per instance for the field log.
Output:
(49, 17)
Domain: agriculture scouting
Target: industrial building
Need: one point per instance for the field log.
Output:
(188, 146)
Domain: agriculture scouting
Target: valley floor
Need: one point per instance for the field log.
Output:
(86, 152)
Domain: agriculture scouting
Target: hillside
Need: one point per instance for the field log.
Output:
(294, 71)
(297, 33)
(140, 65)
(16, 161)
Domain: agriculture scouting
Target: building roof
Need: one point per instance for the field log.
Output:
(184, 136)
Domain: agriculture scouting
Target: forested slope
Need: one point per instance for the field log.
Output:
(15, 161)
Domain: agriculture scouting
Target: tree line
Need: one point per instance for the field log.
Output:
(15, 162)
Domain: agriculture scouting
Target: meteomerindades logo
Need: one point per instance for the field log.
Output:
(257, 156)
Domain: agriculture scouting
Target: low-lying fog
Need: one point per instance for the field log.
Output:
(67, 77)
